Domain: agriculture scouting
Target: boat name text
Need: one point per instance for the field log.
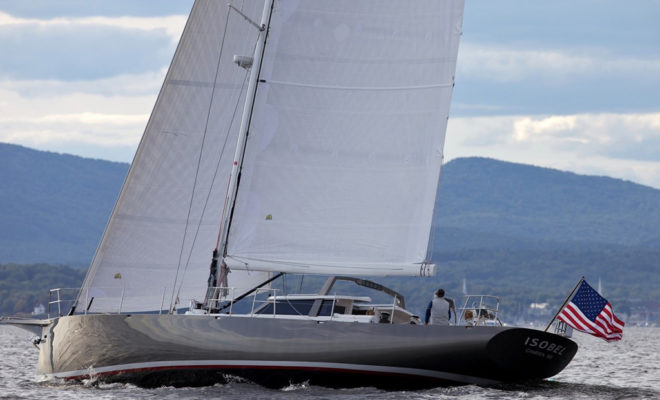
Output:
(544, 345)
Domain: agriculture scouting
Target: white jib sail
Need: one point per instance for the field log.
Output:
(164, 227)
(345, 144)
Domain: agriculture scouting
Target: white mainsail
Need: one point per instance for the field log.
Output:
(345, 144)
(159, 240)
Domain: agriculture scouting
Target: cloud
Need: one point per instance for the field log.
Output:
(620, 145)
(512, 79)
(603, 133)
(106, 125)
(82, 84)
(85, 48)
(105, 130)
(622, 27)
(624, 136)
(510, 64)
(47, 9)
(146, 83)
(172, 25)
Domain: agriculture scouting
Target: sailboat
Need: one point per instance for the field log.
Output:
(289, 137)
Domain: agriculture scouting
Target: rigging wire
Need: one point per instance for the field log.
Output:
(217, 167)
(208, 196)
(174, 300)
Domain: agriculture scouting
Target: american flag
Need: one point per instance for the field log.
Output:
(589, 312)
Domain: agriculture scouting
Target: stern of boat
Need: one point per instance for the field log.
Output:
(523, 354)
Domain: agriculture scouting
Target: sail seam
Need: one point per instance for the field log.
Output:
(362, 88)
(200, 84)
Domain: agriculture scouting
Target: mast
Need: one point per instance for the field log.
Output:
(221, 248)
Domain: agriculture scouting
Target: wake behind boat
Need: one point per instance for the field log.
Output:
(288, 137)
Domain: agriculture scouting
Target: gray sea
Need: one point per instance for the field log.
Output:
(629, 369)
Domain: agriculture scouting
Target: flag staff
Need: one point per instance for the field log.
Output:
(562, 306)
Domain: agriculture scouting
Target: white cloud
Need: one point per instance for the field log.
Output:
(60, 116)
(110, 130)
(507, 64)
(626, 146)
(146, 83)
(16, 105)
(85, 48)
(102, 116)
(56, 130)
(172, 25)
(595, 133)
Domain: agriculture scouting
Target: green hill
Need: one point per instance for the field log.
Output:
(532, 203)
(24, 286)
(53, 207)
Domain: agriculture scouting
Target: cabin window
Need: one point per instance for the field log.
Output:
(326, 308)
(299, 307)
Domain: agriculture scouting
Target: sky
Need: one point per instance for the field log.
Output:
(571, 85)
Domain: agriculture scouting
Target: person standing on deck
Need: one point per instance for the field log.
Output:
(438, 311)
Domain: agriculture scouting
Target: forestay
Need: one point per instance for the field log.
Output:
(165, 224)
(345, 144)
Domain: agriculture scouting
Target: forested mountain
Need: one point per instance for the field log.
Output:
(53, 207)
(522, 232)
(22, 287)
(532, 203)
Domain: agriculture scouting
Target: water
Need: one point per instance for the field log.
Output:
(629, 369)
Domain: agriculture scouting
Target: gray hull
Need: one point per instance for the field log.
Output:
(182, 350)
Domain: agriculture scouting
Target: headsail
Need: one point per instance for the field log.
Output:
(159, 239)
(345, 144)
